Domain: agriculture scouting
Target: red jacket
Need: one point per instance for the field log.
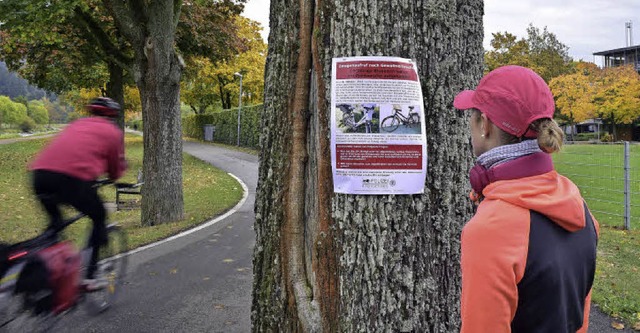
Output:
(528, 258)
(86, 149)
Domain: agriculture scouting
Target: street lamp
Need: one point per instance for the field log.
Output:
(239, 106)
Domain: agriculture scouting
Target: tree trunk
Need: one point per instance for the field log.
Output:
(150, 29)
(335, 262)
(115, 88)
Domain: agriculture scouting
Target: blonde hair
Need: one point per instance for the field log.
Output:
(550, 135)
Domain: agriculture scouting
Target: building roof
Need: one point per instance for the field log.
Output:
(616, 51)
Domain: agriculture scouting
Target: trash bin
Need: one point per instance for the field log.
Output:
(209, 130)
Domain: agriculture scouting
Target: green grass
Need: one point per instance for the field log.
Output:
(598, 171)
(207, 192)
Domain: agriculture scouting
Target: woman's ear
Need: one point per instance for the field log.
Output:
(485, 125)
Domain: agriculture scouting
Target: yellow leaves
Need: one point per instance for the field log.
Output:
(612, 93)
(574, 95)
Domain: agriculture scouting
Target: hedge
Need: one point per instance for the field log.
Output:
(226, 126)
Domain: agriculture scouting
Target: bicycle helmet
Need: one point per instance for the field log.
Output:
(104, 106)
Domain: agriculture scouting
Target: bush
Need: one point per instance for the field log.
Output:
(27, 125)
(226, 126)
(135, 124)
(585, 136)
(606, 137)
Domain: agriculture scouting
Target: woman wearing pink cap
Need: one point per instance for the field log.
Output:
(529, 252)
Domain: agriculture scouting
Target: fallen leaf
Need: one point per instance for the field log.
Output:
(173, 271)
(218, 306)
(240, 269)
(227, 260)
(617, 325)
(206, 278)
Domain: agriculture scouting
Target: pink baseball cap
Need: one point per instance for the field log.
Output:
(512, 97)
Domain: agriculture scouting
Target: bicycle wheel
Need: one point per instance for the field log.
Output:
(20, 311)
(112, 266)
(390, 124)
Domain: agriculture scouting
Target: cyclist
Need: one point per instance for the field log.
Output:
(65, 171)
(367, 118)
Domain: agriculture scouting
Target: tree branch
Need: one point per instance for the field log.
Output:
(129, 16)
(95, 32)
(177, 5)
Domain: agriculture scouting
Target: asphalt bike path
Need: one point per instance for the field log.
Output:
(201, 281)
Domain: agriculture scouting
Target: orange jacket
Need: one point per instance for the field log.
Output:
(528, 258)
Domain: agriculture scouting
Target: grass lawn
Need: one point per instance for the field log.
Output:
(598, 171)
(207, 192)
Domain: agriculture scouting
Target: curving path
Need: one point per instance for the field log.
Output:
(200, 282)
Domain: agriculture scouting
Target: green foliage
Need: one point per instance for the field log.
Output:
(135, 124)
(11, 112)
(226, 126)
(585, 136)
(606, 137)
(27, 125)
(208, 83)
(38, 112)
(540, 51)
(207, 29)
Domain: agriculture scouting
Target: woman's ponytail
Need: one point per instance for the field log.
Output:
(550, 135)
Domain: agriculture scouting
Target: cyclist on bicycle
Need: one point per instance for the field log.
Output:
(65, 171)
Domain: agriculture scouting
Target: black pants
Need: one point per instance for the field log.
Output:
(54, 189)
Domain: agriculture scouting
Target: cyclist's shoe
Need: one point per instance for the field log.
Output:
(91, 285)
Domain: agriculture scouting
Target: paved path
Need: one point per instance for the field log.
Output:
(197, 283)
(201, 282)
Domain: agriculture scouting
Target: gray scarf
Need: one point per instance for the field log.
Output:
(501, 154)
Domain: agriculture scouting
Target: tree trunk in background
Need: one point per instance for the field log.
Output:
(115, 88)
(335, 262)
(162, 163)
(150, 28)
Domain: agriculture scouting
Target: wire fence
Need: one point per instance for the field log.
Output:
(608, 175)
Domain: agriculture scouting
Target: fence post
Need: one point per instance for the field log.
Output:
(627, 191)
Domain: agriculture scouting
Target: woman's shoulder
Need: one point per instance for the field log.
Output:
(493, 215)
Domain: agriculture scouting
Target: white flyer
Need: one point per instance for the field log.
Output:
(378, 140)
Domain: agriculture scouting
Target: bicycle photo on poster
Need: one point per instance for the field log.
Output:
(358, 118)
(401, 119)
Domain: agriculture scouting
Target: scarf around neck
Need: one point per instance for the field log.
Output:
(501, 154)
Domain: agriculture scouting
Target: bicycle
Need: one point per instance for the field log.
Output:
(41, 277)
(348, 118)
(392, 122)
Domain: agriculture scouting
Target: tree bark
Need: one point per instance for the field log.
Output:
(115, 88)
(151, 30)
(334, 262)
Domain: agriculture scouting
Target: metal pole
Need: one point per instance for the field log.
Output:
(627, 192)
(239, 108)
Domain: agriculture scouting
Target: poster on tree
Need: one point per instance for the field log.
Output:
(378, 140)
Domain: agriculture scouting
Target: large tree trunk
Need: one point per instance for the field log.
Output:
(150, 28)
(334, 262)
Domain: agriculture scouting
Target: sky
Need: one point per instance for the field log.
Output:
(585, 26)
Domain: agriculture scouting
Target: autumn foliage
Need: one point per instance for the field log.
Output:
(612, 94)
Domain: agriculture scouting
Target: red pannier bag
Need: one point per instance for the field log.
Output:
(63, 265)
